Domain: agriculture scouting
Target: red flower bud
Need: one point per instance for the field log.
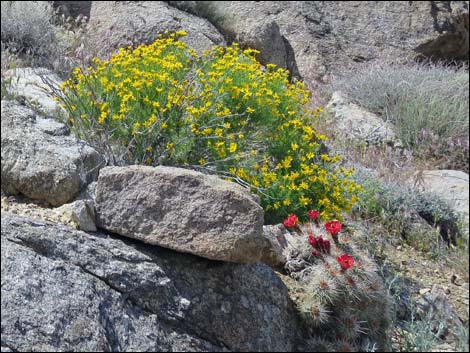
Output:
(315, 252)
(312, 240)
(345, 261)
(291, 221)
(313, 214)
(327, 245)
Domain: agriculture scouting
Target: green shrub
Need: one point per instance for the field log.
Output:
(427, 104)
(223, 112)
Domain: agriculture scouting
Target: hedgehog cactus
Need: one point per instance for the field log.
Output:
(344, 304)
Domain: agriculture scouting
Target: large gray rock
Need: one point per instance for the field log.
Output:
(323, 36)
(182, 210)
(452, 186)
(436, 307)
(39, 161)
(115, 24)
(30, 83)
(67, 290)
(355, 123)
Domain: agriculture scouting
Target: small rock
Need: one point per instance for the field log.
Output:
(273, 256)
(454, 279)
(424, 291)
(83, 214)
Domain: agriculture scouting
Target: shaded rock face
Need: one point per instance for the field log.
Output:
(453, 39)
(182, 210)
(68, 290)
(327, 35)
(73, 8)
(115, 24)
(39, 160)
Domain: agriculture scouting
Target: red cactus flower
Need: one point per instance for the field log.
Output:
(291, 221)
(313, 214)
(333, 227)
(345, 261)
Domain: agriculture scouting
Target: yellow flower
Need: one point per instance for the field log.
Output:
(207, 131)
(233, 147)
(286, 162)
(310, 155)
(304, 201)
(249, 110)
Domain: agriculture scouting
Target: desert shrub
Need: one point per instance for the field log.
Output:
(33, 33)
(222, 112)
(427, 104)
(28, 25)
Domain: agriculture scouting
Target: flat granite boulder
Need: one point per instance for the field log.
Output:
(183, 210)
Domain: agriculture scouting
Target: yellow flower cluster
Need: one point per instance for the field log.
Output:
(164, 104)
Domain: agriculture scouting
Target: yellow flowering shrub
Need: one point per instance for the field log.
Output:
(222, 111)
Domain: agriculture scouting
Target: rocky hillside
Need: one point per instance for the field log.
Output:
(114, 239)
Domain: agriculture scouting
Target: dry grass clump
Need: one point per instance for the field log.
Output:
(426, 103)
